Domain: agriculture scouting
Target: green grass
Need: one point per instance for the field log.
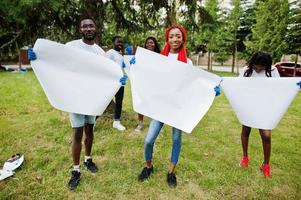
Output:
(208, 166)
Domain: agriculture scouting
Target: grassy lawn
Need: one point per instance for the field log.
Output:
(208, 166)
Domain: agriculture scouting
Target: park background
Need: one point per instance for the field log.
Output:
(208, 167)
(224, 31)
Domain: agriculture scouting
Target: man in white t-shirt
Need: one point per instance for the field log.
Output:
(81, 122)
(116, 54)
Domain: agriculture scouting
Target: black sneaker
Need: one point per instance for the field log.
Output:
(171, 179)
(74, 181)
(90, 166)
(146, 172)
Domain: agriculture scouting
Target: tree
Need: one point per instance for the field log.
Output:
(234, 23)
(23, 21)
(293, 37)
(209, 30)
(245, 29)
(227, 35)
(268, 33)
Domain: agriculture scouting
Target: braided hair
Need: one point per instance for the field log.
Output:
(260, 58)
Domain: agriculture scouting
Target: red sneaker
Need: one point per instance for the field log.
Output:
(244, 162)
(266, 170)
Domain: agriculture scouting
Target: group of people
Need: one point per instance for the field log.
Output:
(174, 48)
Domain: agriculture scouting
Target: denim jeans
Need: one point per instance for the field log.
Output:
(153, 132)
(79, 120)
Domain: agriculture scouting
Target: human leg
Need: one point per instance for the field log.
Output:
(153, 132)
(118, 108)
(266, 144)
(89, 136)
(77, 122)
(89, 133)
(140, 125)
(176, 149)
(245, 133)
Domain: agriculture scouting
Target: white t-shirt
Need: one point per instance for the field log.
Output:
(274, 73)
(174, 56)
(87, 47)
(115, 56)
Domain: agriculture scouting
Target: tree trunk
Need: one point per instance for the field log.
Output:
(209, 56)
(233, 60)
(234, 54)
(211, 60)
(295, 67)
(237, 67)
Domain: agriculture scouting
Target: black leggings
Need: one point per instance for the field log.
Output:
(118, 103)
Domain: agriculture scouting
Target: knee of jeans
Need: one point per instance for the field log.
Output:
(148, 142)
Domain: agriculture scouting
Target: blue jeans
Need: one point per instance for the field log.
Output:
(153, 132)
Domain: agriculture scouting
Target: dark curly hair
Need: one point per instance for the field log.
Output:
(157, 47)
(260, 58)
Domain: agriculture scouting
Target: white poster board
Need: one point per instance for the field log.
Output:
(260, 102)
(75, 80)
(171, 91)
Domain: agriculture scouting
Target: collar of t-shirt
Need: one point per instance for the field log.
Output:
(174, 56)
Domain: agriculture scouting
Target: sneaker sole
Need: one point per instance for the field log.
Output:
(73, 188)
(242, 166)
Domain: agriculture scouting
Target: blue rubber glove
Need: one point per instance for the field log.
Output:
(123, 80)
(23, 69)
(133, 60)
(31, 55)
(129, 50)
(123, 65)
(299, 84)
(217, 90)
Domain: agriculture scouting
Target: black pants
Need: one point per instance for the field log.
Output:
(118, 103)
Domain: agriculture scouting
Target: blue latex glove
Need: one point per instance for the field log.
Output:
(31, 55)
(23, 69)
(217, 90)
(129, 50)
(133, 60)
(299, 84)
(123, 65)
(123, 80)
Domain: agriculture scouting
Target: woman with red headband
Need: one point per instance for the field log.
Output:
(175, 38)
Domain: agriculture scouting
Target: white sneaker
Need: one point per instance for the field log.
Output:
(139, 127)
(118, 126)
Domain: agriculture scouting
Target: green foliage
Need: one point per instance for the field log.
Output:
(293, 37)
(207, 169)
(24, 21)
(268, 33)
(227, 34)
(208, 27)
